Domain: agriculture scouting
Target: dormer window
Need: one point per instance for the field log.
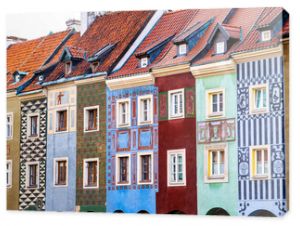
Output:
(266, 35)
(144, 62)
(94, 66)
(19, 75)
(68, 67)
(41, 78)
(17, 78)
(182, 49)
(220, 47)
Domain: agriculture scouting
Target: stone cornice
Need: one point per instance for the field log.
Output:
(171, 70)
(216, 68)
(131, 81)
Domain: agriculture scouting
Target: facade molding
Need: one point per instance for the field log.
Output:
(171, 70)
(217, 68)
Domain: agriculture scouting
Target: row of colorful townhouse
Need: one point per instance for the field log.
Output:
(153, 112)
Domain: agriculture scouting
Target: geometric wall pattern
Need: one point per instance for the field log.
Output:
(33, 150)
(261, 129)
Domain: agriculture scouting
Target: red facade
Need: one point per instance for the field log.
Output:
(177, 134)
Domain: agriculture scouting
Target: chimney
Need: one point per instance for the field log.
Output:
(73, 24)
(87, 18)
(13, 40)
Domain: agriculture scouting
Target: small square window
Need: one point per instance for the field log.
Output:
(94, 66)
(91, 173)
(220, 47)
(8, 173)
(61, 117)
(68, 67)
(61, 172)
(215, 102)
(176, 104)
(123, 113)
(41, 78)
(176, 168)
(182, 49)
(260, 162)
(91, 119)
(33, 125)
(17, 78)
(123, 170)
(145, 168)
(266, 35)
(144, 62)
(258, 99)
(145, 109)
(9, 126)
(32, 175)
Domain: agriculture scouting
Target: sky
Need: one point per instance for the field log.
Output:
(34, 25)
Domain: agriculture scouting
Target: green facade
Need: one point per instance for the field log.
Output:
(219, 194)
(91, 145)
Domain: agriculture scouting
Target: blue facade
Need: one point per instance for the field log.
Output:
(133, 140)
(61, 198)
(262, 195)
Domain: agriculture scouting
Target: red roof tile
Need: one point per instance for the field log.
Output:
(120, 28)
(31, 55)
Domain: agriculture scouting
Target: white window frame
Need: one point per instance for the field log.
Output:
(56, 120)
(208, 149)
(68, 69)
(252, 100)
(220, 47)
(41, 78)
(253, 168)
(85, 173)
(209, 103)
(144, 62)
(266, 35)
(86, 119)
(118, 156)
(29, 124)
(139, 167)
(119, 125)
(11, 115)
(140, 110)
(182, 49)
(181, 114)
(37, 175)
(54, 171)
(176, 152)
(9, 172)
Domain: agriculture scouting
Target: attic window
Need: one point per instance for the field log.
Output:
(144, 62)
(68, 67)
(266, 35)
(94, 66)
(220, 47)
(41, 78)
(182, 49)
(17, 78)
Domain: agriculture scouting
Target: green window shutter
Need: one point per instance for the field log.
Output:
(163, 106)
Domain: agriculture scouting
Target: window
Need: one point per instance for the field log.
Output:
(145, 109)
(176, 103)
(94, 66)
(41, 78)
(91, 119)
(68, 67)
(123, 113)
(61, 120)
(8, 173)
(9, 126)
(182, 49)
(32, 172)
(33, 125)
(260, 164)
(259, 99)
(123, 169)
(266, 35)
(144, 62)
(90, 172)
(145, 168)
(176, 168)
(215, 163)
(220, 47)
(17, 78)
(215, 102)
(61, 172)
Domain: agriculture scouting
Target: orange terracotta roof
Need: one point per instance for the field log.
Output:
(120, 28)
(252, 41)
(30, 55)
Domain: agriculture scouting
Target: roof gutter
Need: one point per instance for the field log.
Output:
(80, 77)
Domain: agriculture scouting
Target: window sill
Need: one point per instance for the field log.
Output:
(32, 187)
(260, 177)
(172, 117)
(145, 182)
(258, 111)
(181, 184)
(123, 125)
(91, 130)
(90, 187)
(60, 185)
(122, 183)
(145, 123)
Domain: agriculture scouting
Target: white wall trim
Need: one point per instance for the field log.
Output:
(54, 171)
(176, 151)
(85, 118)
(140, 98)
(252, 109)
(37, 175)
(29, 125)
(117, 176)
(208, 93)
(11, 115)
(9, 185)
(139, 154)
(118, 114)
(256, 177)
(170, 92)
(84, 182)
(212, 69)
